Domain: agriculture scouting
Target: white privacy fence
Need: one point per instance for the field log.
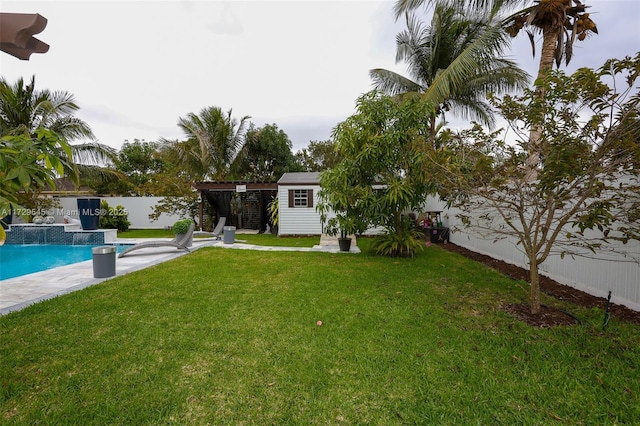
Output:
(597, 276)
(138, 209)
(593, 276)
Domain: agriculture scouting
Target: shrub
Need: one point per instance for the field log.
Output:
(401, 242)
(113, 218)
(182, 226)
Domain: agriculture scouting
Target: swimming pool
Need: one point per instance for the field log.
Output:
(18, 259)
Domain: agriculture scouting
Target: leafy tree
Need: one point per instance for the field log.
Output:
(138, 164)
(184, 205)
(214, 140)
(266, 154)
(139, 160)
(174, 183)
(26, 111)
(382, 174)
(318, 156)
(29, 164)
(587, 191)
(453, 64)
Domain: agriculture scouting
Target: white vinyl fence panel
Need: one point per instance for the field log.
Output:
(138, 209)
(615, 273)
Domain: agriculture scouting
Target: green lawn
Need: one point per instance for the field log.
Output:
(231, 337)
(257, 239)
(146, 233)
(272, 240)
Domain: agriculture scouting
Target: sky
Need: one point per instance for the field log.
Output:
(136, 67)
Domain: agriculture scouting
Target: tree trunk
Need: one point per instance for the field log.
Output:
(548, 53)
(432, 131)
(549, 42)
(534, 276)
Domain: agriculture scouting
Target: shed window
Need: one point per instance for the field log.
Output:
(300, 198)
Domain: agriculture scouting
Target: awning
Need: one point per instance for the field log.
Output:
(16, 34)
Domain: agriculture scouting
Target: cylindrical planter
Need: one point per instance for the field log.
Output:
(180, 237)
(89, 212)
(104, 261)
(229, 236)
(344, 243)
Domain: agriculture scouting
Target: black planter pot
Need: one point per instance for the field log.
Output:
(344, 243)
(89, 212)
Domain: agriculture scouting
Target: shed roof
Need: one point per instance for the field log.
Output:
(300, 178)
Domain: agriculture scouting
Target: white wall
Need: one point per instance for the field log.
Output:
(138, 209)
(299, 220)
(607, 272)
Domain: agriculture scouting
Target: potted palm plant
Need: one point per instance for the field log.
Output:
(338, 208)
(342, 225)
(180, 228)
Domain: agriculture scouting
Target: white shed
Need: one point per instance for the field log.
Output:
(298, 197)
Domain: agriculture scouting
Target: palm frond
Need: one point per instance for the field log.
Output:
(489, 8)
(456, 60)
(392, 83)
(470, 60)
(472, 109)
(93, 153)
(97, 173)
(219, 138)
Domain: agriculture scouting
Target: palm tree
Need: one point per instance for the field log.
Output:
(214, 140)
(559, 21)
(453, 64)
(24, 110)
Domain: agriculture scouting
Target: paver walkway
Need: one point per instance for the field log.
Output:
(17, 293)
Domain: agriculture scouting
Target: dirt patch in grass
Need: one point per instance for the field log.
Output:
(549, 315)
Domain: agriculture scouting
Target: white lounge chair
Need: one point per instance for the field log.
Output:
(215, 234)
(181, 244)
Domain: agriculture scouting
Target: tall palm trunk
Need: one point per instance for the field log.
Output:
(432, 130)
(550, 39)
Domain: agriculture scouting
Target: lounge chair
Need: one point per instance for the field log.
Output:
(215, 234)
(181, 244)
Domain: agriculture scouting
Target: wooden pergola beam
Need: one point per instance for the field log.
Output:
(16, 34)
(233, 186)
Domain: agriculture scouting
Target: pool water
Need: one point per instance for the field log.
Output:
(16, 259)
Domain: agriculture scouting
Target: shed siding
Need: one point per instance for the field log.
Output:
(298, 220)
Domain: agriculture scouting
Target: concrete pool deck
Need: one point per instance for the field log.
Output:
(20, 292)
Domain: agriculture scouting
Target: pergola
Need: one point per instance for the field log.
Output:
(243, 203)
(16, 34)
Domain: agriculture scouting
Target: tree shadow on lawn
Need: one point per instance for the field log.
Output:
(549, 316)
